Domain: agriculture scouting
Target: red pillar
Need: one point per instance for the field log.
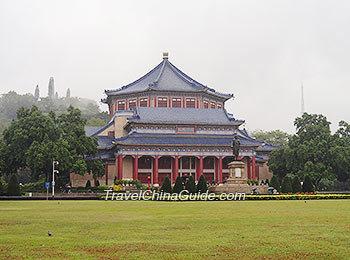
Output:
(216, 177)
(155, 170)
(220, 169)
(253, 168)
(200, 166)
(136, 168)
(106, 173)
(120, 167)
(176, 168)
(248, 168)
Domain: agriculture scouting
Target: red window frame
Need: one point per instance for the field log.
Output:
(190, 103)
(143, 102)
(162, 102)
(212, 105)
(132, 104)
(176, 102)
(206, 104)
(121, 105)
(219, 106)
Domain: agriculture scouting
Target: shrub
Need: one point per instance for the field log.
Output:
(275, 183)
(296, 186)
(38, 186)
(1, 188)
(307, 184)
(166, 187)
(202, 186)
(191, 185)
(13, 188)
(286, 185)
(97, 183)
(267, 181)
(178, 187)
(88, 184)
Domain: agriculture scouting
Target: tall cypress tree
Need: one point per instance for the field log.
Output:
(166, 187)
(307, 184)
(13, 188)
(178, 187)
(275, 183)
(286, 185)
(51, 91)
(37, 93)
(68, 93)
(202, 186)
(296, 186)
(191, 185)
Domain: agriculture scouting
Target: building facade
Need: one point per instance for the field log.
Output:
(167, 124)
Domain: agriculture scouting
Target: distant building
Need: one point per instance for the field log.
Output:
(166, 124)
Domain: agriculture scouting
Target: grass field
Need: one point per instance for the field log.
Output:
(175, 230)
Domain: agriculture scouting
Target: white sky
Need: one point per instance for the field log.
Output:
(259, 50)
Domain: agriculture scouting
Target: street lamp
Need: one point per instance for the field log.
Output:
(53, 177)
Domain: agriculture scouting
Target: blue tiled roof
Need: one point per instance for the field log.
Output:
(183, 116)
(166, 77)
(182, 139)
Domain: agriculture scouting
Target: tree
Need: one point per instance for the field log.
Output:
(13, 188)
(275, 183)
(191, 185)
(1, 188)
(166, 187)
(286, 185)
(56, 95)
(178, 187)
(97, 183)
(88, 184)
(307, 184)
(37, 93)
(68, 93)
(202, 186)
(296, 186)
(275, 137)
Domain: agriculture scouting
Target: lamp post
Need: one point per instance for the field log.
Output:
(53, 177)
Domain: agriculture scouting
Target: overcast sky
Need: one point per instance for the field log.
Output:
(260, 51)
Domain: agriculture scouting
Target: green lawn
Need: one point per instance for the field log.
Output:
(175, 230)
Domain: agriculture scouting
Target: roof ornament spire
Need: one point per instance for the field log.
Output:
(165, 55)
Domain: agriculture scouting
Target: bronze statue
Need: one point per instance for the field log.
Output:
(236, 144)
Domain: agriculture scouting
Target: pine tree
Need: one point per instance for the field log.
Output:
(296, 186)
(56, 95)
(286, 185)
(166, 187)
(275, 183)
(202, 186)
(37, 93)
(307, 184)
(178, 187)
(68, 93)
(51, 91)
(88, 184)
(97, 183)
(191, 185)
(13, 188)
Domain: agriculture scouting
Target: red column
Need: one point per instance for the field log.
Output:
(155, 170)
(248, 168)
(253, 168)
(216, 177)
(120, 167)
(106, 173)
(176, 168)
(136, 168)
(220, 169)
(200, 166)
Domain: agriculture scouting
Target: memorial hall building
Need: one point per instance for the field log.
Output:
(166, 124)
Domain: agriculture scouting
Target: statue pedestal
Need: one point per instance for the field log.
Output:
(238, 174)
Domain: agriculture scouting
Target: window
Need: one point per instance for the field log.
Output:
(145, 162)
(121, 105)
(212, 105)
(164, 163)
(206, 104)
(190, 103)
(132, 104)
(176, 102)
(219, 106)
(162, 102)
(143, 102)
(208, 163)
(110, 133)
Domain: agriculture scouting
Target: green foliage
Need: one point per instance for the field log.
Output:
(307, 184)
(296, 186)
(1, 188)
(166, 187)
(275, 183)
(276, 137)
(202, 186)
(178, 187)
(38, 186)
(13, 188)
(97, 183)
(88, 184)
(191, 185)
(267, 181)
(286, 185)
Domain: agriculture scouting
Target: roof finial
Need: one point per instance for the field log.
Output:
(165, 55)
